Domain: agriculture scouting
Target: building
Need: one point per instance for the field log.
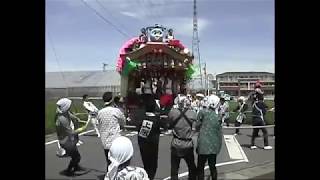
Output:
(241, 83)
(77, 83)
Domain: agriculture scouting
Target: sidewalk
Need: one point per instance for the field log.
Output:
(265, 171)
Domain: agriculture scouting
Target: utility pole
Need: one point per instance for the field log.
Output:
(205, 78)
(195, 39)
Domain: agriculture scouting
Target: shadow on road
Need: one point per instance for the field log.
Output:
(245, 145)
(268, 176)
(249, 146)
(93, 135)
(270, 135)
(100, 177)
(63, 173)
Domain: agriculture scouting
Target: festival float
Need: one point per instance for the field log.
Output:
(156, 64)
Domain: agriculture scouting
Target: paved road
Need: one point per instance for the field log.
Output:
(265, 176)
(93, 156)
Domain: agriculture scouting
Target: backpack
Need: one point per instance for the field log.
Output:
(182, 114)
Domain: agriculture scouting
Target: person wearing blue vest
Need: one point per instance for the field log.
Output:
(259, 110)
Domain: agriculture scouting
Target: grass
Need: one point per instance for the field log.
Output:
(78, 108)
(269, 115)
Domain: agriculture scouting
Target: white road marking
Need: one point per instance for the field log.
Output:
(241, 150)
(54, 141)
(51, 142)
(206, 167)
(234, 149)
(130, 134)
(133, 133)
(86, 132)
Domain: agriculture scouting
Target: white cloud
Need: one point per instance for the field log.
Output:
(130, 14)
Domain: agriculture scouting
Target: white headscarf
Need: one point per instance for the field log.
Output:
(181, 101)
(213, 101)
(121, 151)
(241, 98)
(204, 102)
(63, 105)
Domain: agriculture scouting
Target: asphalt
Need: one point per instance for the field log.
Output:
(93, 158)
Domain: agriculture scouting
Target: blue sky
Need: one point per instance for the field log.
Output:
(235, 35)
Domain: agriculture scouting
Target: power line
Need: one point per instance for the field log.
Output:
(105, 20)
(106, 10)
(57, 59)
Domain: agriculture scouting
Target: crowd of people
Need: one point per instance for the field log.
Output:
(199, 116)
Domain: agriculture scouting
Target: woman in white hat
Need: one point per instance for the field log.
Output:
(67, 136)
(120, 154)
(241, 108)
(224, 110)
(210, 137)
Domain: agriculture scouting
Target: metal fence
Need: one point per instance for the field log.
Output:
(54, 93)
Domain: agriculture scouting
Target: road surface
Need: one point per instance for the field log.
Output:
(235, 156)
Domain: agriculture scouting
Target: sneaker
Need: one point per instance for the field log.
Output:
(253, 147)
(235, 134)
(267, 147)
(80, 142)
(61, 152)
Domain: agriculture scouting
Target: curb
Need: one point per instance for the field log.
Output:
(250, 173)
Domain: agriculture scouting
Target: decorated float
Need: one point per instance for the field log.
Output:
(154, 63)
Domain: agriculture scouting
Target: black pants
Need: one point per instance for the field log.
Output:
(74, 154)
(202, 159)
(106, 151)
(227, 121)
(175, 163)
(237, 124)
(255, 132)
(149, 156)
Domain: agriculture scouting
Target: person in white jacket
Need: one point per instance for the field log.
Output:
(92, 112)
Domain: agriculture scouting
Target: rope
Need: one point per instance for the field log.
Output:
(248, 127)
(224, 127)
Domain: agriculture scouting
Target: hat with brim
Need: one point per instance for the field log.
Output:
(200, 95)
